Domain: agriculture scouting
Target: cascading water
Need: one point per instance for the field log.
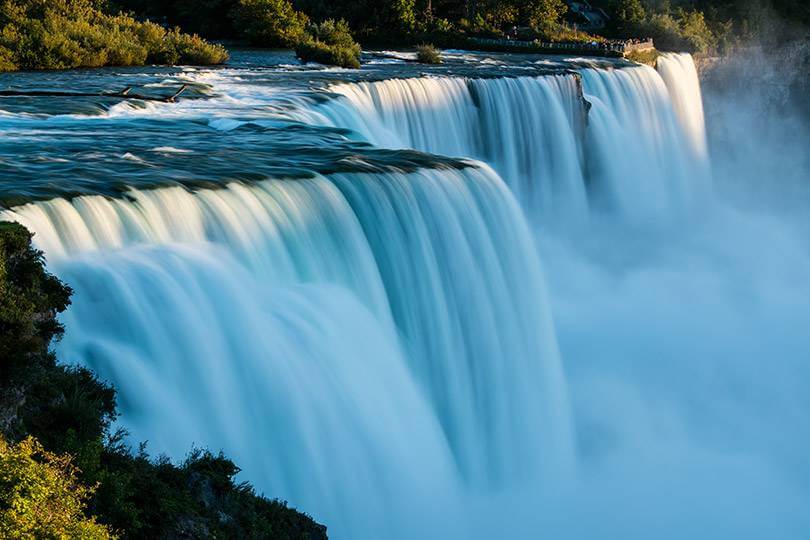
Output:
(642, 153)
(378, 348)
(640, 161)
(526, 128)
(285, 279)
(681, 78)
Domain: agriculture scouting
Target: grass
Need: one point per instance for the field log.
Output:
(648, 56)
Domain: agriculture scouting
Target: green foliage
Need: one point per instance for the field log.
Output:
(450, 22)
(542, 13)
(6, 60)
(41, 497)
(664, 30)
(70, 412)
(480, 27)
(403, 15)
(497, 14)
(562, 33)
(269, 23)
(627, 13)
(30, 298)
(428, 54)
(695, 32)
(330, 42)
(382, 21)
(57, 34)
(198, 499)
(707, 26)
(494, 16)
(681, 31)
(190, 49)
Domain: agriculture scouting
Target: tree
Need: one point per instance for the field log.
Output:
(627, 12)
(269, 23)
(542, 13)
(40, 496)
(695, 31)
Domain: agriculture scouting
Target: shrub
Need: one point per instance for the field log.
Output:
(192, 49)
(269, 23)
(58, 34)
(30, 298)
(562, 33)
(333, 32)
(539, 13)
(428, 54)
(331, 43)
(312, 50)
(7, 60)
(41, 497)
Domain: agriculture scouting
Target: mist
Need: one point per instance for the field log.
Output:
(685, 342)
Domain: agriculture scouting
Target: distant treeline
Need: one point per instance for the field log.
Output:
(707, 25)
(695, 25)
(397, 22)
(53, 34)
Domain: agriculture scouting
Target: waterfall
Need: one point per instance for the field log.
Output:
(378, 347)
(639, 159)
(526, 128)
(681, 78)
(638, 152)
(340, 337)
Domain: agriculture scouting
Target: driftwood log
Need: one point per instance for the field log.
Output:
(126, 93)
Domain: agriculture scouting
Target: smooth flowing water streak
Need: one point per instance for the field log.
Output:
(639, 151)
(526, 128)
(640, 161)
(679, 74)
(342, 338)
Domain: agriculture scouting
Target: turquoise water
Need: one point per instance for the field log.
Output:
(503, 297)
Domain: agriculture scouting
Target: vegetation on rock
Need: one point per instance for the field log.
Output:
(69, 412)
(330, 42)
(40, 496)
(428, 54)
